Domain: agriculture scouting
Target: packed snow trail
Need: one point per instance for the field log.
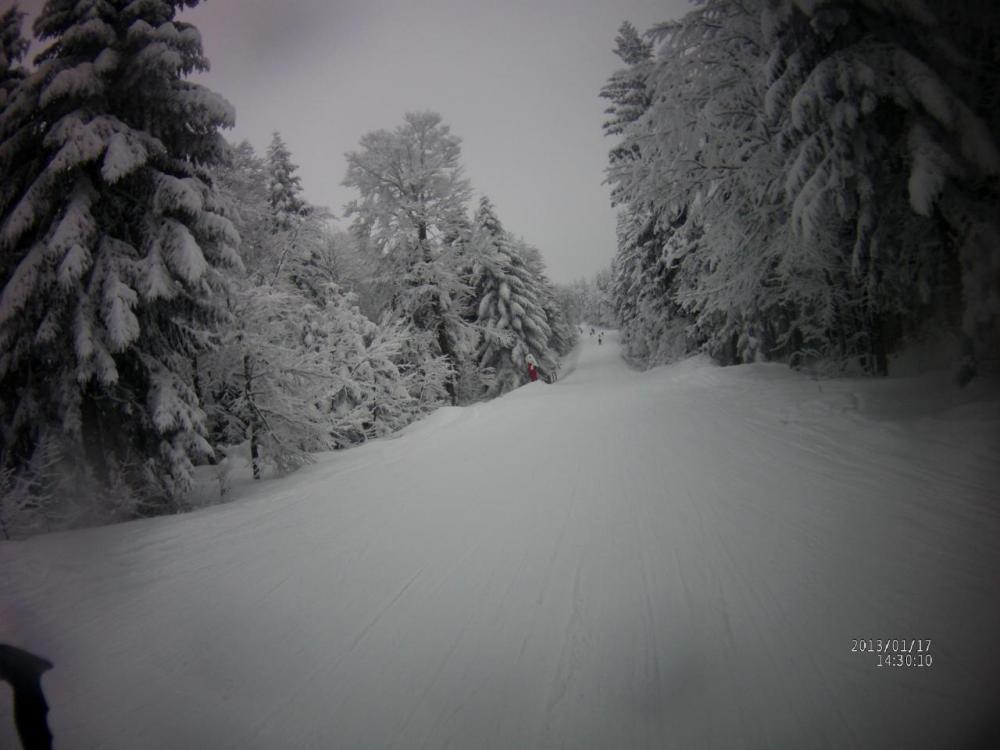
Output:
(672, 559)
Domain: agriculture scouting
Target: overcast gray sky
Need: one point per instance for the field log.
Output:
(517, 80)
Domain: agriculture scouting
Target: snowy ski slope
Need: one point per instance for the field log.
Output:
(672, 559)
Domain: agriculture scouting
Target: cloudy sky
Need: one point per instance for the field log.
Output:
(517, 80)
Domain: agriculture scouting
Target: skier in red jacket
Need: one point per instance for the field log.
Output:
(532, 367)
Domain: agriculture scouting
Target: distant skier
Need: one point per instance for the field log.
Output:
(600, 338)
(532, 367)
(591, 331)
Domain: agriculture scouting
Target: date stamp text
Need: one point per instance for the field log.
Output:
(896, 652)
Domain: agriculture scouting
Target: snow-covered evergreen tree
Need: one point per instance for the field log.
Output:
(887, 118)
(627, 91)
(117, 242)
(640, 235)
(561, 337)
(284, 187)
(241, 179)
(807, 181)
(688, 148)
(509, 312)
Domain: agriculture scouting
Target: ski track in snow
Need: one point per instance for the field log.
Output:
(672, 559)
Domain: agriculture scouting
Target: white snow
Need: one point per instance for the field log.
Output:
(177, 194)
(17, 291)
(679, 558)
(184, 252)
(118, 313)
(930, 170)
(81, 81)
(124, 155)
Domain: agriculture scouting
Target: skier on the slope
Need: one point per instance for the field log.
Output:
(532, 367)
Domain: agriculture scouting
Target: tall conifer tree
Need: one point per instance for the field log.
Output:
(117, 243)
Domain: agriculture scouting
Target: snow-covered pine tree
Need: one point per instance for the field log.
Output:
(750, 289)
(639, 232)
(811, 180)
(509, 311)
(117, 243)
(705, 256)
(242, 182)
(412, 197)
(562, 338)
(282, 235)
(472, 382)
(296, 233)
(887, 111)
(284, 187)
(627, 91)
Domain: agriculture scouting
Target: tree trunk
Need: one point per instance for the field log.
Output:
(252, 416)
(449, 384)
(796, 344)
(196, 381)
(878, 354)
(422, 242)
(93, 438)
(254, 453)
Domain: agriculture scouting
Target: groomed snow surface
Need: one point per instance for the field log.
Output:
(672, 559)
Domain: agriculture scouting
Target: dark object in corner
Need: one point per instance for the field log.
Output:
(23, 670)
